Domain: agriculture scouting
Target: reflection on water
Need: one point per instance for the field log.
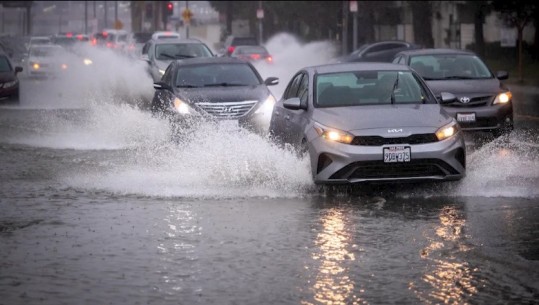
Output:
(451, 280)
(333, 284)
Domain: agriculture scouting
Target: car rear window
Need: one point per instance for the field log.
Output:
(241, 41)
(170, 51)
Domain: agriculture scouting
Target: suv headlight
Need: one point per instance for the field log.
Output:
(447, 131)
(182, 107)
(333, 135)
(503, 98)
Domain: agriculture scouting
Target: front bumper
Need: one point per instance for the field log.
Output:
(336, 163)
(487, 118)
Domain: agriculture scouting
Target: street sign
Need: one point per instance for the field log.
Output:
(353, 6)
(187, 15)
(260, 13)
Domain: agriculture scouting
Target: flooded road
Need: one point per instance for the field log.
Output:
(99, 207)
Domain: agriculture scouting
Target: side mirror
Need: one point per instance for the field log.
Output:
(18, 69)
(446, 97)
(501, 75)
(161, 86)
(271, 81)
(292, 103)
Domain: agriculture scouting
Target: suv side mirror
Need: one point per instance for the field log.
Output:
(161, 86)
(271, 81)
(18, 69)
(292, 103)
(446, 98)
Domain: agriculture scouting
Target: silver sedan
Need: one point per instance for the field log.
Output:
(369, 122)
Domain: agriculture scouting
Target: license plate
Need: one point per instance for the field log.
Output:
(466, 117)
(229, 125)
(395, 154)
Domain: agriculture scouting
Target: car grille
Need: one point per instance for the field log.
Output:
(228, 110)
(379, 141)
(474, 102)
(380, 170)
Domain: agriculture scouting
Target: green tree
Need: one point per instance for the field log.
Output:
(516, 14)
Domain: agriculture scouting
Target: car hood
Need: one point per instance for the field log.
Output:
(223, 94)
(162, 64)
(475, 87)
(6, 77)
(386, 116)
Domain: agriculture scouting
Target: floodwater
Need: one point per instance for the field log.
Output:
(98, 206)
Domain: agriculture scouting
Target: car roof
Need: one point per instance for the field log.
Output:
(210, 60)
(356, 66)
(438, 51)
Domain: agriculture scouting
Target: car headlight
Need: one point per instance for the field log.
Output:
(447, 131)
(333, 135)
(64, 66)
(35, 65)
(162, 72)
(503, 98)
(267, 105)
(87, 61)
(10, 84)
(182, 107)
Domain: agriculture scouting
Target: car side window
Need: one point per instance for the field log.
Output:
(167, 77)
(303, 90)
(292, 89)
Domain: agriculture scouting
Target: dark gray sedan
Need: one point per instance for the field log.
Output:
(482, 103)
(363, 122)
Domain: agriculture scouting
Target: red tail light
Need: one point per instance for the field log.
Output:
(231, 49)
(69, 35)
(109, 45)
(269, 59)
(93, 41)
(255, 56)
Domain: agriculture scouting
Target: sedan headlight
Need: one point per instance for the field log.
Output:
(503, 98)
(447, 131)
(182, 107)
(87, 61)
(10, 84)
(333, 135)
(35, 65)
(267, 105)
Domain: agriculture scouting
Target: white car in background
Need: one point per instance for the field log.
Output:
(52, 61)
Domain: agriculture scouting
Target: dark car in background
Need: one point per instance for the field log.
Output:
(231, 42)
(9, 81)
(160, 53)
(368, 122)
(252, 53)
(224, 90)
(482, 103)
(382, 51)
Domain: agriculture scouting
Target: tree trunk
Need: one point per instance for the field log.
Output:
(422, 23)
(478, 33)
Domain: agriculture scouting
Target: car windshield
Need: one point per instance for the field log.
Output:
(4, 64)
(170, 51)
(45, 51)
(358, 88)
(441, 67)
(215, 75)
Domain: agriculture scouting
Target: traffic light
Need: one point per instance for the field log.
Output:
(169, 8)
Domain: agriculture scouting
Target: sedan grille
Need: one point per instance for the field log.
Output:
(380, 170)
(229, 110)
(379, 141)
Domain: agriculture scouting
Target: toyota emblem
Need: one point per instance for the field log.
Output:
(464, 100)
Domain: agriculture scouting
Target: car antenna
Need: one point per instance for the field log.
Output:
(394, 88)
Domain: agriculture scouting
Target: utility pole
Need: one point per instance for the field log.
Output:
(85, 17)
(353, 9)
(115, 13)
(106, 14)
(344, 50)
(260, 16)
(188, 23)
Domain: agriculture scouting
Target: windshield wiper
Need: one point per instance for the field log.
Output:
(394, 88)
(224, 85)
(187, 86)
(184, 56)
(458, 77)
(167, 55)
